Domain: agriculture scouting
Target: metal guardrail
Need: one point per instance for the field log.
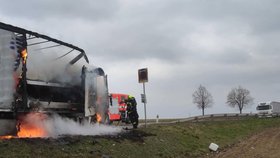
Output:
(225, 115)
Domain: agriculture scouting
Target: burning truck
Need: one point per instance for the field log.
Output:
(40, 74)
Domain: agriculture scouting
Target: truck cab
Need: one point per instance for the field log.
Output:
(264, 108)
(268, 108)
(117, 108)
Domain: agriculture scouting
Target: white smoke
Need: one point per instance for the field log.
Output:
(64, 126)
(55, 126)
(7, 57)
(43, 66)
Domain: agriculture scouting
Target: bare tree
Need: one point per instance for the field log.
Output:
(202, 98)
(239, 97)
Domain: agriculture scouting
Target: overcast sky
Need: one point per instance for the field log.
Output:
(219, 44)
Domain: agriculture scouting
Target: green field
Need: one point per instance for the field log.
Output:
(187, 139)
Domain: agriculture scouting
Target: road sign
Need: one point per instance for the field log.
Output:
(143, 98)
(143, 75)
(142, 78)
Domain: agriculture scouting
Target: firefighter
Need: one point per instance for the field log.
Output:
(132, 110)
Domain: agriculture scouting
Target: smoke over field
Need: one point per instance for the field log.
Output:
(41, 125)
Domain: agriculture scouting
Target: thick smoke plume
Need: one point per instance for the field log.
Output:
(44, 67)
(55, 126)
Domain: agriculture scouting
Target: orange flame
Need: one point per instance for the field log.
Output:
(28, 128)
(31, 131)
(98, 118)
(28, 131)
(24, 55)
(6, 137)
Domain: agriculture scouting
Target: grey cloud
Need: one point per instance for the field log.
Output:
(140, 43)
(261, 15)
(233, 57)
(40, 10)
(142, 39)
(151, 30)
(268, 44)
(244, 35)
(146, 33)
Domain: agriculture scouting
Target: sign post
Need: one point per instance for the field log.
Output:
(142, 78)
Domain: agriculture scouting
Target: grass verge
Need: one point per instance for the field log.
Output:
(186, 139)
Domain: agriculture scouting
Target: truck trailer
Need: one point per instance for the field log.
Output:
(42, 74)
(268, 108)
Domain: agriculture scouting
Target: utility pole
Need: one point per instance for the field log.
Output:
(142, 78)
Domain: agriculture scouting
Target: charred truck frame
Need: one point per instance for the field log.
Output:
(20, 93)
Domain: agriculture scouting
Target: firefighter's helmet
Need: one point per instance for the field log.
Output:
(130, 97)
